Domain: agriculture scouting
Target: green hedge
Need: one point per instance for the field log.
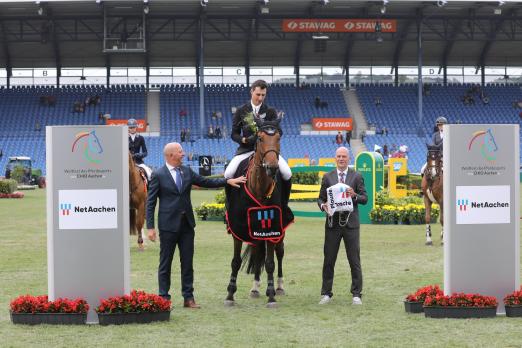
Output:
(8, 186)
(306, 178)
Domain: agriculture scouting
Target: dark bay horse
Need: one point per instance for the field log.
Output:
(432, 185)
(138, 197)
(261, 181)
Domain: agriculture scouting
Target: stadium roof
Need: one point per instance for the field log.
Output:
(250, 33)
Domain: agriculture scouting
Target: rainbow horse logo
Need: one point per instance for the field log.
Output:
(487, 143)
(91, 145)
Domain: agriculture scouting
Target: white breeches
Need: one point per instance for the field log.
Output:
(284, 169)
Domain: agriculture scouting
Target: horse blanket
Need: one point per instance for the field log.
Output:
(250, 219)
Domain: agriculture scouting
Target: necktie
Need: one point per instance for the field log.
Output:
(178, 178)
(341, 177)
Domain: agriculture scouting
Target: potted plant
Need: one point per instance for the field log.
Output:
(137, 307)
(27, 309)
(211, 211)
(513, 303)
(413, 302)
(460, 305)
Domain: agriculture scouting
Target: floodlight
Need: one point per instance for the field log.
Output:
(442, 3)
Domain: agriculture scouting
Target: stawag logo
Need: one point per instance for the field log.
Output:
(91, 146)
(485, 142)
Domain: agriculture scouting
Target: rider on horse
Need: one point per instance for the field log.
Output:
(437, 137)
(137, 147)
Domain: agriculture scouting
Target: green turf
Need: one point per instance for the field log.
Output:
(394, 260)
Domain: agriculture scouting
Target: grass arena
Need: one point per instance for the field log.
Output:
(394, 259)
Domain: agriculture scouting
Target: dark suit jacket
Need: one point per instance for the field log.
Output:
(137, 148)
(241, 129)
(172, 203)
(355, 181)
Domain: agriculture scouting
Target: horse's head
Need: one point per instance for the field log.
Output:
(94, 143)
(268, 147)
(434, 161)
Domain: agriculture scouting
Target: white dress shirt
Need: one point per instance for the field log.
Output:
(172, 173)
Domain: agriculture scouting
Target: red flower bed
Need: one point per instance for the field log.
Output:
(514, 299)
(16, 194)
(137, 301)
(421, 294)
(41, 304)
(461, 300)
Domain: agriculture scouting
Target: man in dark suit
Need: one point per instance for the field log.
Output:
(243, 129)
(349, 233)
(171, 184)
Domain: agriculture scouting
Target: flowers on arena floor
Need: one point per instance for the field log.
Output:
(41, 304)
(426, 291)
(136, 302)
(209, 210)
(514, 299)
(461, 300)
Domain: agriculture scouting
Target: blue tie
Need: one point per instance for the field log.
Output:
(178, 178)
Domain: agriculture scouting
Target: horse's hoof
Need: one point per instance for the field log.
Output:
(441, 243)
(230, 303)
(280, 292)
(430, 243)
(271, 305)
(254, 294)
(141, 247)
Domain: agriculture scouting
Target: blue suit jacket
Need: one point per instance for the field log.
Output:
(173, 203)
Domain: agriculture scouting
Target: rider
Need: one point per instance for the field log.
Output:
(137, 146)
(243, 129)
(438, 136)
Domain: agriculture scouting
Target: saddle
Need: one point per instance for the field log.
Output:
(248, 219)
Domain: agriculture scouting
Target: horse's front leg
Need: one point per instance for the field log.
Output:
(270, 267)
(427, 219)
(441, 222)
(280, 253)
(235, 265)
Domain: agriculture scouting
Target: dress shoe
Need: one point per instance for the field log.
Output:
(191, 304)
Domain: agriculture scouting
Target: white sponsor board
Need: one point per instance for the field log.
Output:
(88, 209)
(483, 204)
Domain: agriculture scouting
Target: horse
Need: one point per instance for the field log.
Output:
(432, 184)
(261, 181)
(138, 197)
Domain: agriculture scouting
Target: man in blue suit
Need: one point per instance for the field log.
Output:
(171, 184)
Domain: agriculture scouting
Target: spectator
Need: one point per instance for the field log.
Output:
(384, 131)
(183, 135)
(385, 152)
(100, 117)
(183, 112)
(363, 135)
(37, 126)
(426, 91)
(317, 102)
(51, 100)
(214, 115)
(348, 137)
(1, 153)
(97, 100)
(219, 114)
(377, 101)
(210, 132)
(217, 132)
(339, 139)
(520, 114)
(187, 134)
(44, 101)
(107, 117)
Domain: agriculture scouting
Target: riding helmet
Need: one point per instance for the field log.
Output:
(132, 123)
(441, 120)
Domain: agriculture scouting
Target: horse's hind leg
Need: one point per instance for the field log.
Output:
(427, 219)
(235, 265)
(254, 292)
(280, 252)
(140, 221)
(270, 267)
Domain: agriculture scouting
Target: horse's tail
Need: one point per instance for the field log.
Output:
(254, 258)
(133, 217)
